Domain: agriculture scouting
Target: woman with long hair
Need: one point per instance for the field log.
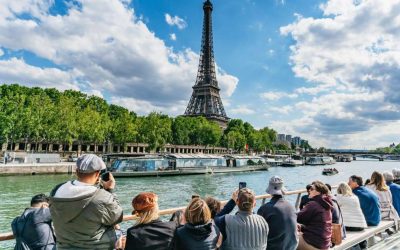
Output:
(378, 185)
(353, 217)
(199, 232)
(149, 232)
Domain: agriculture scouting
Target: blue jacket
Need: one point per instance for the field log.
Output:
(395, 190)
(369, 203)
(34, 229)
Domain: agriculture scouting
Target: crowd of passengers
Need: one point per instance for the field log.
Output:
(82, 214)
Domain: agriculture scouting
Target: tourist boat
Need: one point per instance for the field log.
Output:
(293, 161)
(320, 160)
(330, 171)
(274, 160)
(185, 164)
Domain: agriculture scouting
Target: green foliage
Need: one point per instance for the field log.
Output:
(47, 115)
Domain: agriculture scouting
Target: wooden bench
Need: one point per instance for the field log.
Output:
(353, 238)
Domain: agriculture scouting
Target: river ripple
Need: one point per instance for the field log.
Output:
(173, 191)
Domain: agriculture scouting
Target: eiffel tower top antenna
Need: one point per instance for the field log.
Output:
(205, 100)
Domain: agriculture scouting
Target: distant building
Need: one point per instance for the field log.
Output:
(281, 137)
(289, 138)
(296, 140)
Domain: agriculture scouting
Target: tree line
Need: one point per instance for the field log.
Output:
(37, 115)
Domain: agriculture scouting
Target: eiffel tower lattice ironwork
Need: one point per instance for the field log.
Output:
(205, 100)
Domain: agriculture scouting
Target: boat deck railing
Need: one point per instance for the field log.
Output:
(353, 238)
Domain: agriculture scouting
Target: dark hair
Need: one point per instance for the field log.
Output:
(328, 186)
(320, 187)
(367, 181)
(39, 198)
(177, 217)
(214, 205)
(308, 187)
(357, 179)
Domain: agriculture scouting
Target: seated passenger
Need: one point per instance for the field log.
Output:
(396, 175)
(281, 218)
(378, 185)
(215, 205)
(316, 219)
(245, 230)
(305, 199)
(149, 232)
(369, 201)
(199, 232)
(353, 217)
(33, 228)
(394, 189)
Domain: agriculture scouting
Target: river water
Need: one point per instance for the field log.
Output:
(16, 191)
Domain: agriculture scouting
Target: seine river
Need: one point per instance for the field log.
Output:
(16, 191)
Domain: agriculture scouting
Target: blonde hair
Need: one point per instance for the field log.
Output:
(148, 216)
(378, 180)
(344, 189)
(197, 212)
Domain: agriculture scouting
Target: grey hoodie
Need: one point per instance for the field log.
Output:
(85, 222)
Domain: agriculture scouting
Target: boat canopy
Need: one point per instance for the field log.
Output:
(243, 160)
(194, 156)
(197, 160)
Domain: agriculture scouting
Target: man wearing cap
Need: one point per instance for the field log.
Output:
(281, 218)
(244, 230)
(84, 215)
(33, 228)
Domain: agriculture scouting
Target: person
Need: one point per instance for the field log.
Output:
(369, 201)
(215, 205)
(315, 219)
(305, 198)
(84, 215)
(353, 217)
(396, 175)
(33, 228)
(149, 232)
(244, 230)
(199, 232)
(378, 185)
(394, 189)
(280, 216)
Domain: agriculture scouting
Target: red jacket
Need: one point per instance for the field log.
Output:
(316, 220)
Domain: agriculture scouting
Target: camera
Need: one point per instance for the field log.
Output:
(242, 185)
(105, 175)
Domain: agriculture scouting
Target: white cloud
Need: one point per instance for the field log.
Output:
(242, 110)
(113, 53)
(281, 110)
(172, 36)
(276, 95)
(17, 70)
(351, 58)
(143, 107)
(175, 21)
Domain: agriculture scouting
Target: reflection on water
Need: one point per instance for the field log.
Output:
(173, 191)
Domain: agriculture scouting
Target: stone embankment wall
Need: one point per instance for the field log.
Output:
(32, 169)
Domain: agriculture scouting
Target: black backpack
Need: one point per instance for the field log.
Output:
(18, 227)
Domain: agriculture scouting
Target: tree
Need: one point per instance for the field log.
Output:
(155, 129)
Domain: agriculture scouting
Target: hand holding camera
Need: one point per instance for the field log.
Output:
(108, 181)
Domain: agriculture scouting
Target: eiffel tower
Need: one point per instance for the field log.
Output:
(205, 100)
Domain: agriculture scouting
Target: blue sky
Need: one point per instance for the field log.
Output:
(325, 70)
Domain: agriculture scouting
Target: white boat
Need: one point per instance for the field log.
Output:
(320, 160)
(291, 162)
